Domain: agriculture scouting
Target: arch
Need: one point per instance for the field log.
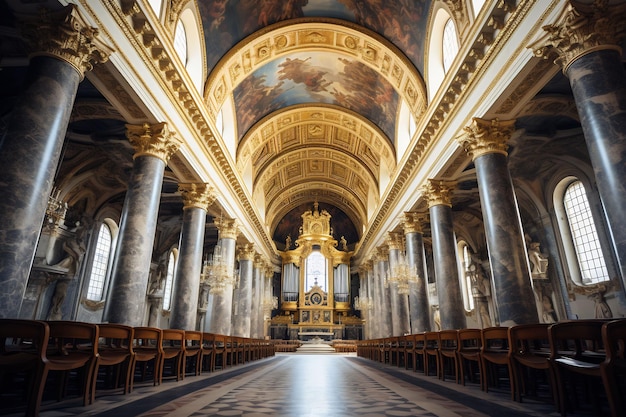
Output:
(196, 54)
(435, 72)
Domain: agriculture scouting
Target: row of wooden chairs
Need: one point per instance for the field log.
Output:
(108, 354)
(568, 355)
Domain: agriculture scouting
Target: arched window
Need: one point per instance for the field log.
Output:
(169, 281)
(450, 44)
(583, 234)
(466, 269)
(100, 265)
(316, 271)
(180, 41)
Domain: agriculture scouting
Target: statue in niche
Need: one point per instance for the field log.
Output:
(75, 248)
(484, 315)
(538, 261)
(156, 284)
(344, 244)
(548, 315)
(203, 301)
(603, 311)
(288, 243)
(60, 290)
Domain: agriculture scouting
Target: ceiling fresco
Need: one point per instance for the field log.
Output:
(403, 22)
(319, 77)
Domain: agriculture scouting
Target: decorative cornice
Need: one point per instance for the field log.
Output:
(581, 29)
(438, 192)
(412, 222)
(228, 228)
(246, 252)
(197, 195)
(153, 140)
(486, 136)
(65, 35)
(174, 9)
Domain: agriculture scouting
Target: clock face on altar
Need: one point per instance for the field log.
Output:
(316, 299)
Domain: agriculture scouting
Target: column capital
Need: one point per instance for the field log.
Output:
(269, 271)
(153, 140)
(259, 262)
(438, 192)
(412, 222)
(382, 253)
(487, 136)
(582, 28)
(246, 252)
(394, 241)
(65, 35)
(197, 195)
(228, 228)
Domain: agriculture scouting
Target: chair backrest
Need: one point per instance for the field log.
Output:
(148, 338)
(23, 335)
(117, 336)
(74, 336)
(614, 340)
(577, 338)
(431, 340)
(449, 340)
(495, 339)
(530, 339)
(193, 339)
(470, 340)
(173, 338)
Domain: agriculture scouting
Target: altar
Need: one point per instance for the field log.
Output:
(308, 336)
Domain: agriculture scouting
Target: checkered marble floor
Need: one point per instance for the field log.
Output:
(304, 386)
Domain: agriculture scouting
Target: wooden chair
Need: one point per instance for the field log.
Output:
(207, 353)
(448, 353)
(148, 348)
(431, 353)
(495, 358)
(115, 347)
(419, 351)
(470, 344)
(192, 349)
(73, 346)
(221, 354)
(23, 345)
(173, 352)
(576, 352)
(530, 352)
(409, 354)
(613, 369)
(394, 350)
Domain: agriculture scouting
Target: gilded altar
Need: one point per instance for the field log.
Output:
(315, 292)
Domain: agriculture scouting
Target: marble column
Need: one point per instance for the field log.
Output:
(380, 266)
(268, 291)
(485, 141)
(154, 145)
(221, 302)
(363, 301)
(452, 314)
(586, 40)
(418, 291)
(242, 308)
(257, 285)
(196, 200)
(64, 48)
(399, 302)
(373, 313)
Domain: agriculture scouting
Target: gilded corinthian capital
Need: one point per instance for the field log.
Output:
(246, 252)
(154, 140)
(487, 136)
(412, 222)
(581, 29)
(438, 192)
(200, 195)
(228, 228)
(66, 36)
(394, 241)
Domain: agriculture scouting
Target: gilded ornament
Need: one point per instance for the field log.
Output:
(153, 140)
(197, 195)
(487, 136)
